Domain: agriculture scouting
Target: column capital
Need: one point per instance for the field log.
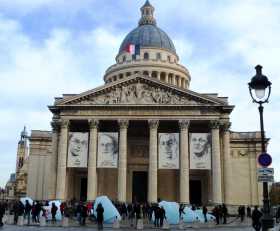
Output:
(184, 124)
(65, 123)
(55, 125)
(123, 124)
(226, 126)
(153, 124)
(93, 123)
(215, 124)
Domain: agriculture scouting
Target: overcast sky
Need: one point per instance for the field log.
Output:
(50, 47)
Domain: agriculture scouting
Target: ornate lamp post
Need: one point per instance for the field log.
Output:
(260, 89)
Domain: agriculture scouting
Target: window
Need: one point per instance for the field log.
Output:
(158, 56)
(124, 58)
(146, 56)
(169, 58)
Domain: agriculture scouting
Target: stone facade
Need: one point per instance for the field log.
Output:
(145, 95)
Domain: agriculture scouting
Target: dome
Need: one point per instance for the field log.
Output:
(148, 36)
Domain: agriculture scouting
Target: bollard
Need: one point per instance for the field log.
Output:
(181, 224)
(165, 224)
(42, 221)
(20, 221)
(116, 223)
(10, 220)
(65, 222)
(140, 224)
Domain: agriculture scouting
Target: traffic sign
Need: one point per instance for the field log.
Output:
(264, 159)
(265, 171)
(267, 178)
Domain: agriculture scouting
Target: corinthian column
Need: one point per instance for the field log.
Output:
(152, 185)
(122, 161)
(184, 161)
(216, 163)
(53, 161)
(92, 175)
(227, 162)
(62, 160)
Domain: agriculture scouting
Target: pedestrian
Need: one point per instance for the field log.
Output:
(216, 214)
(224, 213)
(181, 210)
(157, 216)
(204, 211)
(278, 215)
(2, 212)
(27, 211)
(53, 212)
(241, 212)
(38, 209)
(62, 207)
(100, 217)
(249, 211)
(161, 215)
(83, 215)
(256, 216)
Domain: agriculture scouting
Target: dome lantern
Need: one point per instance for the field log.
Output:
(147, 14)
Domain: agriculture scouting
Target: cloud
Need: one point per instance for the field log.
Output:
(32, 74)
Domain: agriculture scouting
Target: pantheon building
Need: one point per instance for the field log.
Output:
(144, 135)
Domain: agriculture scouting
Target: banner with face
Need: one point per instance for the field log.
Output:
(108, 148)
(77, 150)
(200, 151)
(168, 150)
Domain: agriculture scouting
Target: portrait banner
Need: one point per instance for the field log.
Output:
(168, 150)
(108, 150)
(200, 151)
(77, 150)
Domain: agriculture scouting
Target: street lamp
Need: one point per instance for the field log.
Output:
(260, 89)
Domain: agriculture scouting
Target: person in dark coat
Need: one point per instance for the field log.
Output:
(249, 211)
(241, 212)
(53, 212)
(216, 214)
(2, 212)
(100, 217)
(83, 215)
(224, 213)
(181, 210)
(157, 215)
(204, 211)
(161, 215)
(27, 211)
(256, 216)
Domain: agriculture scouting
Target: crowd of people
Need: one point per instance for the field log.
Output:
(130, 213)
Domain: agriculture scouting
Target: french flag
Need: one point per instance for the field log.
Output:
(133, 49)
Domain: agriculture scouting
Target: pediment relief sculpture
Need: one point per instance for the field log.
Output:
(139, 93)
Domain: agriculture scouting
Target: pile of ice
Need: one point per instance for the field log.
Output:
(110, 211)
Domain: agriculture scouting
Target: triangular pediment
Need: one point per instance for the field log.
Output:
(139, 90)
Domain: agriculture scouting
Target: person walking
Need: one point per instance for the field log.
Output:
(161, 215)
(204, 211)
(249, 211)
(27, 211)
(256, 216)
(53, 212)
(181, 210)
(2, 212)
(224, 213)
(216, 214)
(100, 217)
(157, 216)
